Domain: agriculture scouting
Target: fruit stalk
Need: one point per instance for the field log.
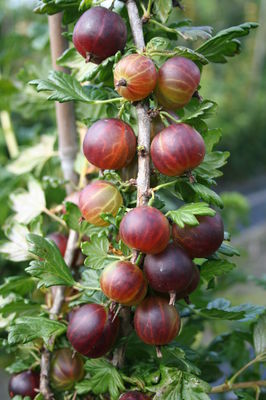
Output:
(65, 118)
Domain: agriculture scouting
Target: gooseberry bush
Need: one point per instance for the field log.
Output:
(119, 281)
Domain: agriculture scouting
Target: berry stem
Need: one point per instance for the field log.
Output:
(176, 121)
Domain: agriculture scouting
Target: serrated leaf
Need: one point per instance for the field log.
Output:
(17, 284)
(20, 307)
(162, 9)
(29, 328)
(194, 32)
(185, 215)
(64, 87)
(28, 204)
(224, 44)
(259, 335)
(72, 216)
(207, 194)
(189, 53)
(222, 309)
(96, 251)
(209, 168)
(211, 137)
(16, 249)
(202, 110)
(214, 268)
(34, 156)
(104, 378)
(228, 250)
(51, 270)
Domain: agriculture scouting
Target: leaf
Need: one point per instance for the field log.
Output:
(185, 215)
(104, 378)
(30, 328)
(202, 110)
(209, 168)
(194, 32)
(53, 269)
(20, 307)
(222, 309)
(162, 9)
(16, 249)
(213, 268)
(189, 53)
(21, 363)
(259, 335)
(64, 87)
(228, 250)
(17, 284)
(72, 216)
(211, 137)
(207, 194)
(96, 250)
(28, 205)
(34, 156)
(224, 44)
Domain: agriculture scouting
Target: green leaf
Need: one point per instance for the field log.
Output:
(29, 328)
(228, 250)
(259, 335)
(222, 309)
(72, 216)
(52, 270)
(213, 268)
(34, 156)
(21, 363)
(162, 9)
(28, 205)
(16, 249)
(207, 194)
(194, 32)
(20, 307)
(189, 53)
(202, 110)
(64, 87)
(17, 284)
(224, 44)
(104, 378)
(185, 215)
(209, 168)
(211, 137)
(96, 250)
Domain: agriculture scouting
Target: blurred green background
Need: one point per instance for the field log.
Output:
(239, 87)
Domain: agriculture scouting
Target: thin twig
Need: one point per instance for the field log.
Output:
(225, 387)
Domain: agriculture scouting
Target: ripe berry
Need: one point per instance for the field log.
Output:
(201, 240)
(24, 384)
(146, 229)
(134, 395)
(66, 369)
(135, 77)
(99, 33)
(124, 283)
(169, 271)
(178, 79)
(92, 330)
(156, 322)
(97, 198)
(60, 241)
(109, 144)
(177, 149)
(192, 286)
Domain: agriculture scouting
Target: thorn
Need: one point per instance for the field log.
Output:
(158, 352)
(117, 312)
(172, 298)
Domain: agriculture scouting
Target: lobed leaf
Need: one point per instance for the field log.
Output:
(16, 249)
(206, 194)
(213, 268)
(185, 215)
(96, 250)
(17, 284)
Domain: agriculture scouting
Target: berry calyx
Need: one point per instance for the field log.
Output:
(146, 229)
(135, 77)
(109, 144)
(24, 384)
(201, 240)
(177, 149)
(92, 330)
(97, 198)
(99, 33)
(124, 283)
(66, 369)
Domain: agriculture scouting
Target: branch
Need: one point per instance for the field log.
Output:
(143, 178)
(225, 387)
(65, 118)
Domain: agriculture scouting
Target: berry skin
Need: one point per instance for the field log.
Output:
(178, 79)
(124, 283)
(66, 369)
(60, 241)
(192, 286)
(146, 229)
(99, 33)
(92, 330)
(169, 271)
(134, 395)
(25, 383)
(201, 240)
(177, 149)
(156, 322)
(99, 197)
(109, 144)
(135, 77)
